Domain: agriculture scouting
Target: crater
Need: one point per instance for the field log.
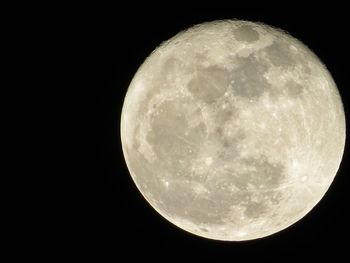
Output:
(275, 197)
(248, 79)
(246, 33)
(294, 89)
(177, 198)
(171, 137)
(279, 54)
(181, 200)
(209, 84)
(170, 67)
(226, 144)
(223, 188)
(206, 211)
(224, 112)
(260, 173)
(201, 58)
(162, 80)
(255, 209)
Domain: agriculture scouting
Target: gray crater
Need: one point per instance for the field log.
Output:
(246, 33)
(209, 84)
(255, 209)
(261, 173)
(172, 140)
(280, 54)
(198, 211)
(294, 89)
(248, 79)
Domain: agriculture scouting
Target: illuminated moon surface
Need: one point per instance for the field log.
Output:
(233, 130)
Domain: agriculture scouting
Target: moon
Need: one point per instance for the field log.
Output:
(233, 130)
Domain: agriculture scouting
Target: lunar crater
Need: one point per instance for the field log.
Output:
(209, 83)
(279, 54)
(248, 79)
(294, 89)
(246, 33)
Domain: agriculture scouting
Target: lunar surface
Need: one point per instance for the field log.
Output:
(233, 130)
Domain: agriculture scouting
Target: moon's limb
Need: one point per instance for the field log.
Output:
(233, 130)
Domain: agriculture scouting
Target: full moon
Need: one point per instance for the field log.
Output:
(233, 130)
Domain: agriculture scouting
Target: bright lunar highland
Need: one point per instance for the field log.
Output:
(233, 130)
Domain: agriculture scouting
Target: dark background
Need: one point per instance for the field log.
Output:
(110, 217)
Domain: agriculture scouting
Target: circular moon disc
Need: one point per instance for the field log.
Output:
(233, 130)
